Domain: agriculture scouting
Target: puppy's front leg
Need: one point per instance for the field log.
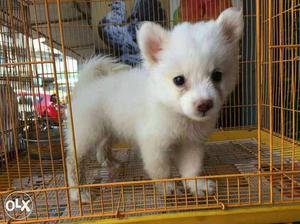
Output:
(156, 161)
(189, 161)
(156, 158)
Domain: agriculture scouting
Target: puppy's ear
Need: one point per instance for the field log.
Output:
(231, 24)
(151, 39)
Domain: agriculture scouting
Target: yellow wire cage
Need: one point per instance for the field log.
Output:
(253, 157)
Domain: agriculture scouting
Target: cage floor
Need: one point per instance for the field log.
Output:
(229, 158)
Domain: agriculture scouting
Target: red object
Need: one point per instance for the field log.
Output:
(43, 105)
(52, 112)
(196, 10)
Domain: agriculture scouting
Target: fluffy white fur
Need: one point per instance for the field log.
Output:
(143, 105)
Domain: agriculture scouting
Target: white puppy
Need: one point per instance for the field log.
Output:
(168, 107)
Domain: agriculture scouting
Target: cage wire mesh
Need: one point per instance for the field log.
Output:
(44, 42)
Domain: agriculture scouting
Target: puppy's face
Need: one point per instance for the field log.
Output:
(194, 66)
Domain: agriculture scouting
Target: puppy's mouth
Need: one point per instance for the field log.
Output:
(203, 114)
(203, 118)
(200, 116)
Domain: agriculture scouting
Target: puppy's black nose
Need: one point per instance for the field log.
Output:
(205, 106)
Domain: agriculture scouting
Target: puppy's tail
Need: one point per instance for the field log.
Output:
(98, 67)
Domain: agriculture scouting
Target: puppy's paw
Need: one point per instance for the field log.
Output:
(211, 187)
(100, 157)
(202, 186)
(73, 194)
(167, 188)
(85, 196)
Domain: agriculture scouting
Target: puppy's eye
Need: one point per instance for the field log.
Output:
(216, 76)
(179, 80)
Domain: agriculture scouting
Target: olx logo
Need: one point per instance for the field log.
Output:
(18, 205)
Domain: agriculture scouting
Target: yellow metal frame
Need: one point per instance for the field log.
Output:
(257, 215)
(242, 134)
